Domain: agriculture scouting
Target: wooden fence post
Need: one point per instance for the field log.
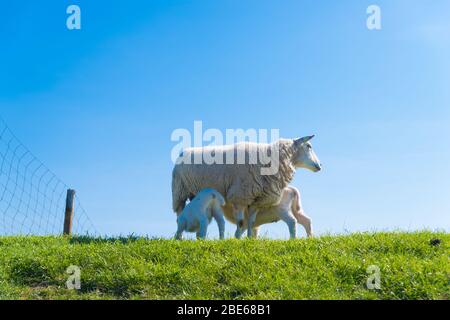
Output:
(70, 207)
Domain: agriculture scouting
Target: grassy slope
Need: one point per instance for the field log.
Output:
(329, 267)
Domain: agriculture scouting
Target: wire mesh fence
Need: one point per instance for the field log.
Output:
(32, 197)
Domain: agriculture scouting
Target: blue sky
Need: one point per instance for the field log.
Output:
(98, 105)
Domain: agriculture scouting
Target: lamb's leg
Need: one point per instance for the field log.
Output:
(179, 235)
(255, 232)
(180, 229)
(297, 211)
(251, 221)
(287, 217)
(201, 234)
(305, 221)
(221, 224)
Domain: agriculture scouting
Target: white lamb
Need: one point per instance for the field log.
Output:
(289, 210)
(198, 213)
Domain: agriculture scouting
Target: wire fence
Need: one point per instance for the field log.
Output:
(32, 197)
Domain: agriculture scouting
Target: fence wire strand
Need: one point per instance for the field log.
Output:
(32, 197)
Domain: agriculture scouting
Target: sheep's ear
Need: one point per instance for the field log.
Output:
(299, 141)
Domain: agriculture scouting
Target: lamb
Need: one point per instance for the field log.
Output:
(245, 186)
(289, 210)
(197, 215)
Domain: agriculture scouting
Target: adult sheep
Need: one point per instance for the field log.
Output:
(245, 183)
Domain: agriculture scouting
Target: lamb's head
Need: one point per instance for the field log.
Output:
(304, 155)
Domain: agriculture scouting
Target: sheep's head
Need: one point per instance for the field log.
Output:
(304, 155)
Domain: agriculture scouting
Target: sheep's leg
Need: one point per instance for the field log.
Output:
(239, 223)
(251, 221)
(239, 232)
(291, 222)
(305, 221)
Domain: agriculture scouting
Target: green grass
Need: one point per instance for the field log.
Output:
(328, 267)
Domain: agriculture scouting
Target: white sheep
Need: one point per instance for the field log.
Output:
(197, 215)
(288, 210)
(243, 185)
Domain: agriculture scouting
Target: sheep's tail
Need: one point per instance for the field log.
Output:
(179, 196)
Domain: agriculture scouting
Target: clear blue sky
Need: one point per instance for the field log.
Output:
(98, 105)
